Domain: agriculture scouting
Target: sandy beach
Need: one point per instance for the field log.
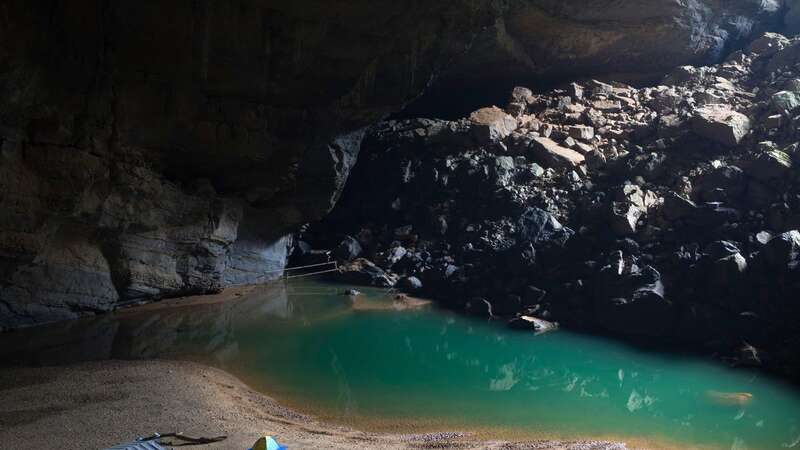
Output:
(96, 405)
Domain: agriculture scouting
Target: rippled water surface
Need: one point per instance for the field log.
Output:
(379, 368)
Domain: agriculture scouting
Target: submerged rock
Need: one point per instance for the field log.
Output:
(534, 324)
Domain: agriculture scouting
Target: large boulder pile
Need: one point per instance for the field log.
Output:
(660, 214)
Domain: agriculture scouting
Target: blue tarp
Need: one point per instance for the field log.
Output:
(144, 445)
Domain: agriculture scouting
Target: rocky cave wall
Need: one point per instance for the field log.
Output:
(546, 43)
(152, 149)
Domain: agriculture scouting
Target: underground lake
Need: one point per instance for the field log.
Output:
(374, 366)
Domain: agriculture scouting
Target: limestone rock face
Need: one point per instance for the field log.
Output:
(152, 149)
(580, 38)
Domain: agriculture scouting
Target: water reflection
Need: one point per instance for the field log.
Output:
(152, 332)
(311, 346)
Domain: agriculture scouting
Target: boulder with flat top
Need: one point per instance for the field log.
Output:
(721, 124)
(547, 152)
(491, 124)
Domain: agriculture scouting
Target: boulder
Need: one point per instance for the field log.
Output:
(641, 310)
(581, 132)
(491, 124)
(785, 101)
(768, 44)
(503, 169)
(785, 58)
(595, 160)
(537, 170)
(771, 164)
(537, 226)
(396, 254)
(608, 106)
(635, 195)
(677, 207)
(624, 217)
(782, 250)
(516, 109)
(547, 152)
(720, 249)
(521, 95)
(728, 270)
(532, 323)
(410, 284)
(721, 124)
(762, 237)
(575, 91)
(723, 183)
(348, 250)
(598, 87)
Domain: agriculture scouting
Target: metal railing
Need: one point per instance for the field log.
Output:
(287, 270)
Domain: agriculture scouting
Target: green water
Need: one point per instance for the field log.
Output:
(435, 370)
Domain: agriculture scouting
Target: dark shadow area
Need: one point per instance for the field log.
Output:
(452, 97)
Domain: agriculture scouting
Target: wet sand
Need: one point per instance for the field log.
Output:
(95, 405)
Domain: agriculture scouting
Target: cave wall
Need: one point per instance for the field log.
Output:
(547, 43)
(151, 149)
(580, 38)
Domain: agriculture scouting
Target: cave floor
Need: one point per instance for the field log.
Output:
(99, 404)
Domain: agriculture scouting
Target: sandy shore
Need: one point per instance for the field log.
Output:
(99, 404)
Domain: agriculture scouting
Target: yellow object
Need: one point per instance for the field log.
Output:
(261, 444)
(267, 443)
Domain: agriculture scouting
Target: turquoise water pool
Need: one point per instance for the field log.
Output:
(421, 370)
